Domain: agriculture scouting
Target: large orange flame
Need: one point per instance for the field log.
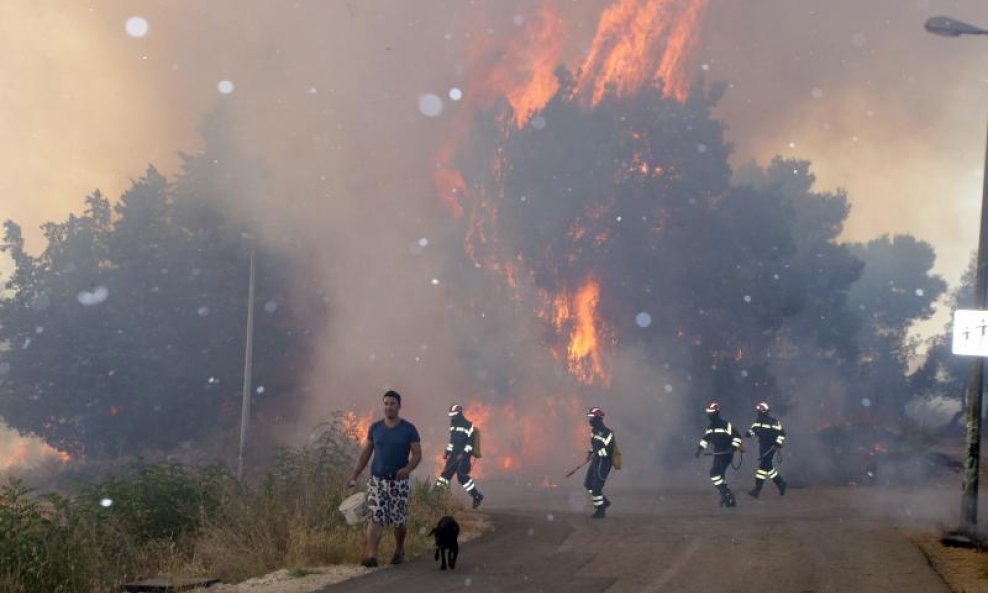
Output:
(28, 451)
(584, 346)
(575, 318)
(533, 82)
(637, 43)
(682, 40)
(641, 42)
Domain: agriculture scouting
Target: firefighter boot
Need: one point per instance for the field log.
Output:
(729, 500)
(724, 492)
(757, 489)
(477, 498)
(607, 502)
(600, 513)
(781, 484)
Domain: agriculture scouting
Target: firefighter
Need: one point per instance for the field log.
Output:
(458, 454)
(601, 459)
(771, 437)
(725, 440)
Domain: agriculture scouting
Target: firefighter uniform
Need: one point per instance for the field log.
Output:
(771, 437)
(725, 440)
(459, 452)
(601, 457)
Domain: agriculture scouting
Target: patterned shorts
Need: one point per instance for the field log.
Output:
(387, 501)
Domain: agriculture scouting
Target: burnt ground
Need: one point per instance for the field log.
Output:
(842, 538)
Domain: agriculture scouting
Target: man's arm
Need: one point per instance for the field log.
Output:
(404, 472)
(362, 461)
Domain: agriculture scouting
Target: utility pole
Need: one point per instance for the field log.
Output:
(975, 389)
(248, 358)
(967, 535)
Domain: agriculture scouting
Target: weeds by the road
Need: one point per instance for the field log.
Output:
(167, 518)
(965, 570)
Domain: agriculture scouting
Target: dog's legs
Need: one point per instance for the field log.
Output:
(443, 553)
(454, 551)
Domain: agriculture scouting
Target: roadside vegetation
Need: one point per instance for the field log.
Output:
(147, 519)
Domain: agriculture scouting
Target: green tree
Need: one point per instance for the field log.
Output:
(896, 289)
(127, 332)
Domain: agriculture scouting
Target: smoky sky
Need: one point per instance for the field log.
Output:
(325, 101)
(878, 105)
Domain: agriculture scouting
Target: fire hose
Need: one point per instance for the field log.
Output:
(577, 468)
(740, 458)
(769, 452)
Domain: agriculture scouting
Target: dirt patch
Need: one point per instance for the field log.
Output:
(964, 570)
(308, 580)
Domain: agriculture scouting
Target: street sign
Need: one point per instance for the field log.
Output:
(970, 332)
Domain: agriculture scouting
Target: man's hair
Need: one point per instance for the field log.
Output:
(394, 394)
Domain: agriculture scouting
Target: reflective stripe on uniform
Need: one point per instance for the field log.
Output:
(776, 426)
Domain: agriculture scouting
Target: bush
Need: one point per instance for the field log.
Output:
(154, 502)
(195, 522)
(52, 544)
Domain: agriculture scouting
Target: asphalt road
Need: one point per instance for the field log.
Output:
(812, 540)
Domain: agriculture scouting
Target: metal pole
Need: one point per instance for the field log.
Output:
(975, 388)
(248, 357)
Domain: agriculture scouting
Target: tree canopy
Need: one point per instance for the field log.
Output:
(127, 332)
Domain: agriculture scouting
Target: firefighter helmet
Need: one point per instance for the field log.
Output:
(762, 407)
(713, 408)
(455, 409)
(595, 412)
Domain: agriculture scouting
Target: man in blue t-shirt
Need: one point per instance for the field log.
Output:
(397, 451)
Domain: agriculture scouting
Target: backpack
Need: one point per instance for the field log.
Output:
(476, 443)
(616, 460)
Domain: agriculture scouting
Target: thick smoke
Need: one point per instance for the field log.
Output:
(333, 102)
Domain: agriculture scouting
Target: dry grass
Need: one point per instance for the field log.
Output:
(964, 570)
(191, 522)
(309, 579)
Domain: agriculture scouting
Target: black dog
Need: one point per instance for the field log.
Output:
(446, 532)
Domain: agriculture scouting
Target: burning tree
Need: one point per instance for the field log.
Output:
(624, 218)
